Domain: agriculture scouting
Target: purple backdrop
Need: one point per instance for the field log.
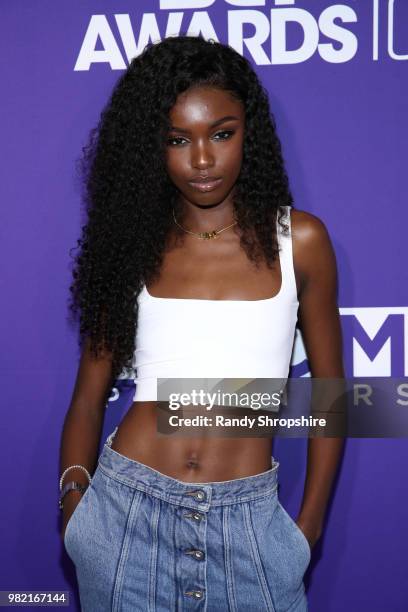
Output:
(337, 79)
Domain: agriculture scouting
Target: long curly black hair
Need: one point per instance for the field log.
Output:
(129, 196)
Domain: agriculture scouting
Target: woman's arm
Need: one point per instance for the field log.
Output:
(319, 321)
(83, 423)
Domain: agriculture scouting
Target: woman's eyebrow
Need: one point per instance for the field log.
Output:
(213, 125)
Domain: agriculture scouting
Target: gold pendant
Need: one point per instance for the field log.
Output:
(208, 235)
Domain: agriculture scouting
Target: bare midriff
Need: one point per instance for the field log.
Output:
(200, 458)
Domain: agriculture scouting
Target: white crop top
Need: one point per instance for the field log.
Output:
(196, 338)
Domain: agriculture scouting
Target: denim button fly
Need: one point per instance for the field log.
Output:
(198, 554)
(194, 515)
(199, 495)
(196, 594)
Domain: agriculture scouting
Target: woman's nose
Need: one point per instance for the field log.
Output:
(202, 156)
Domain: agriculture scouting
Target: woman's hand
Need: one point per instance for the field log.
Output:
(71, 500)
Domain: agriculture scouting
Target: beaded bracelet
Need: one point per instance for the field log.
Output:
(81, 467)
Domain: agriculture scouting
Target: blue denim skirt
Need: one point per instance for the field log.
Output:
(142, 541)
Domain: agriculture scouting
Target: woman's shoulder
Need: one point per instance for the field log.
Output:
(306, 226)
(313, 252)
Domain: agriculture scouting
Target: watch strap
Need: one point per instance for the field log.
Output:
(71, 486)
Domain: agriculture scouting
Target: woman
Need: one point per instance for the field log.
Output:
(190, 212)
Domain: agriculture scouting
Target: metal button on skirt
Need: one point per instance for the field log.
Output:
(143, 541)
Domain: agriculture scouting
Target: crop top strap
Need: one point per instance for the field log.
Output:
(286, 256)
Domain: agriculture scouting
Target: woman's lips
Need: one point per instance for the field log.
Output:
(205, 186)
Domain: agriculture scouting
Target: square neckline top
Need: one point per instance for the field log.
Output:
(167, 299)
(282, 288)
(170, 344)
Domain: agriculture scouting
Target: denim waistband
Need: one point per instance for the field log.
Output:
(199, 495)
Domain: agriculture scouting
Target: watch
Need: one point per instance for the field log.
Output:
(69, 486)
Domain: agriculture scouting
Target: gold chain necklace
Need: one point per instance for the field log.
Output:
(203, 235)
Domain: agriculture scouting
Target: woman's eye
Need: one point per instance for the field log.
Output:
(174, 141)
(225, 134)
